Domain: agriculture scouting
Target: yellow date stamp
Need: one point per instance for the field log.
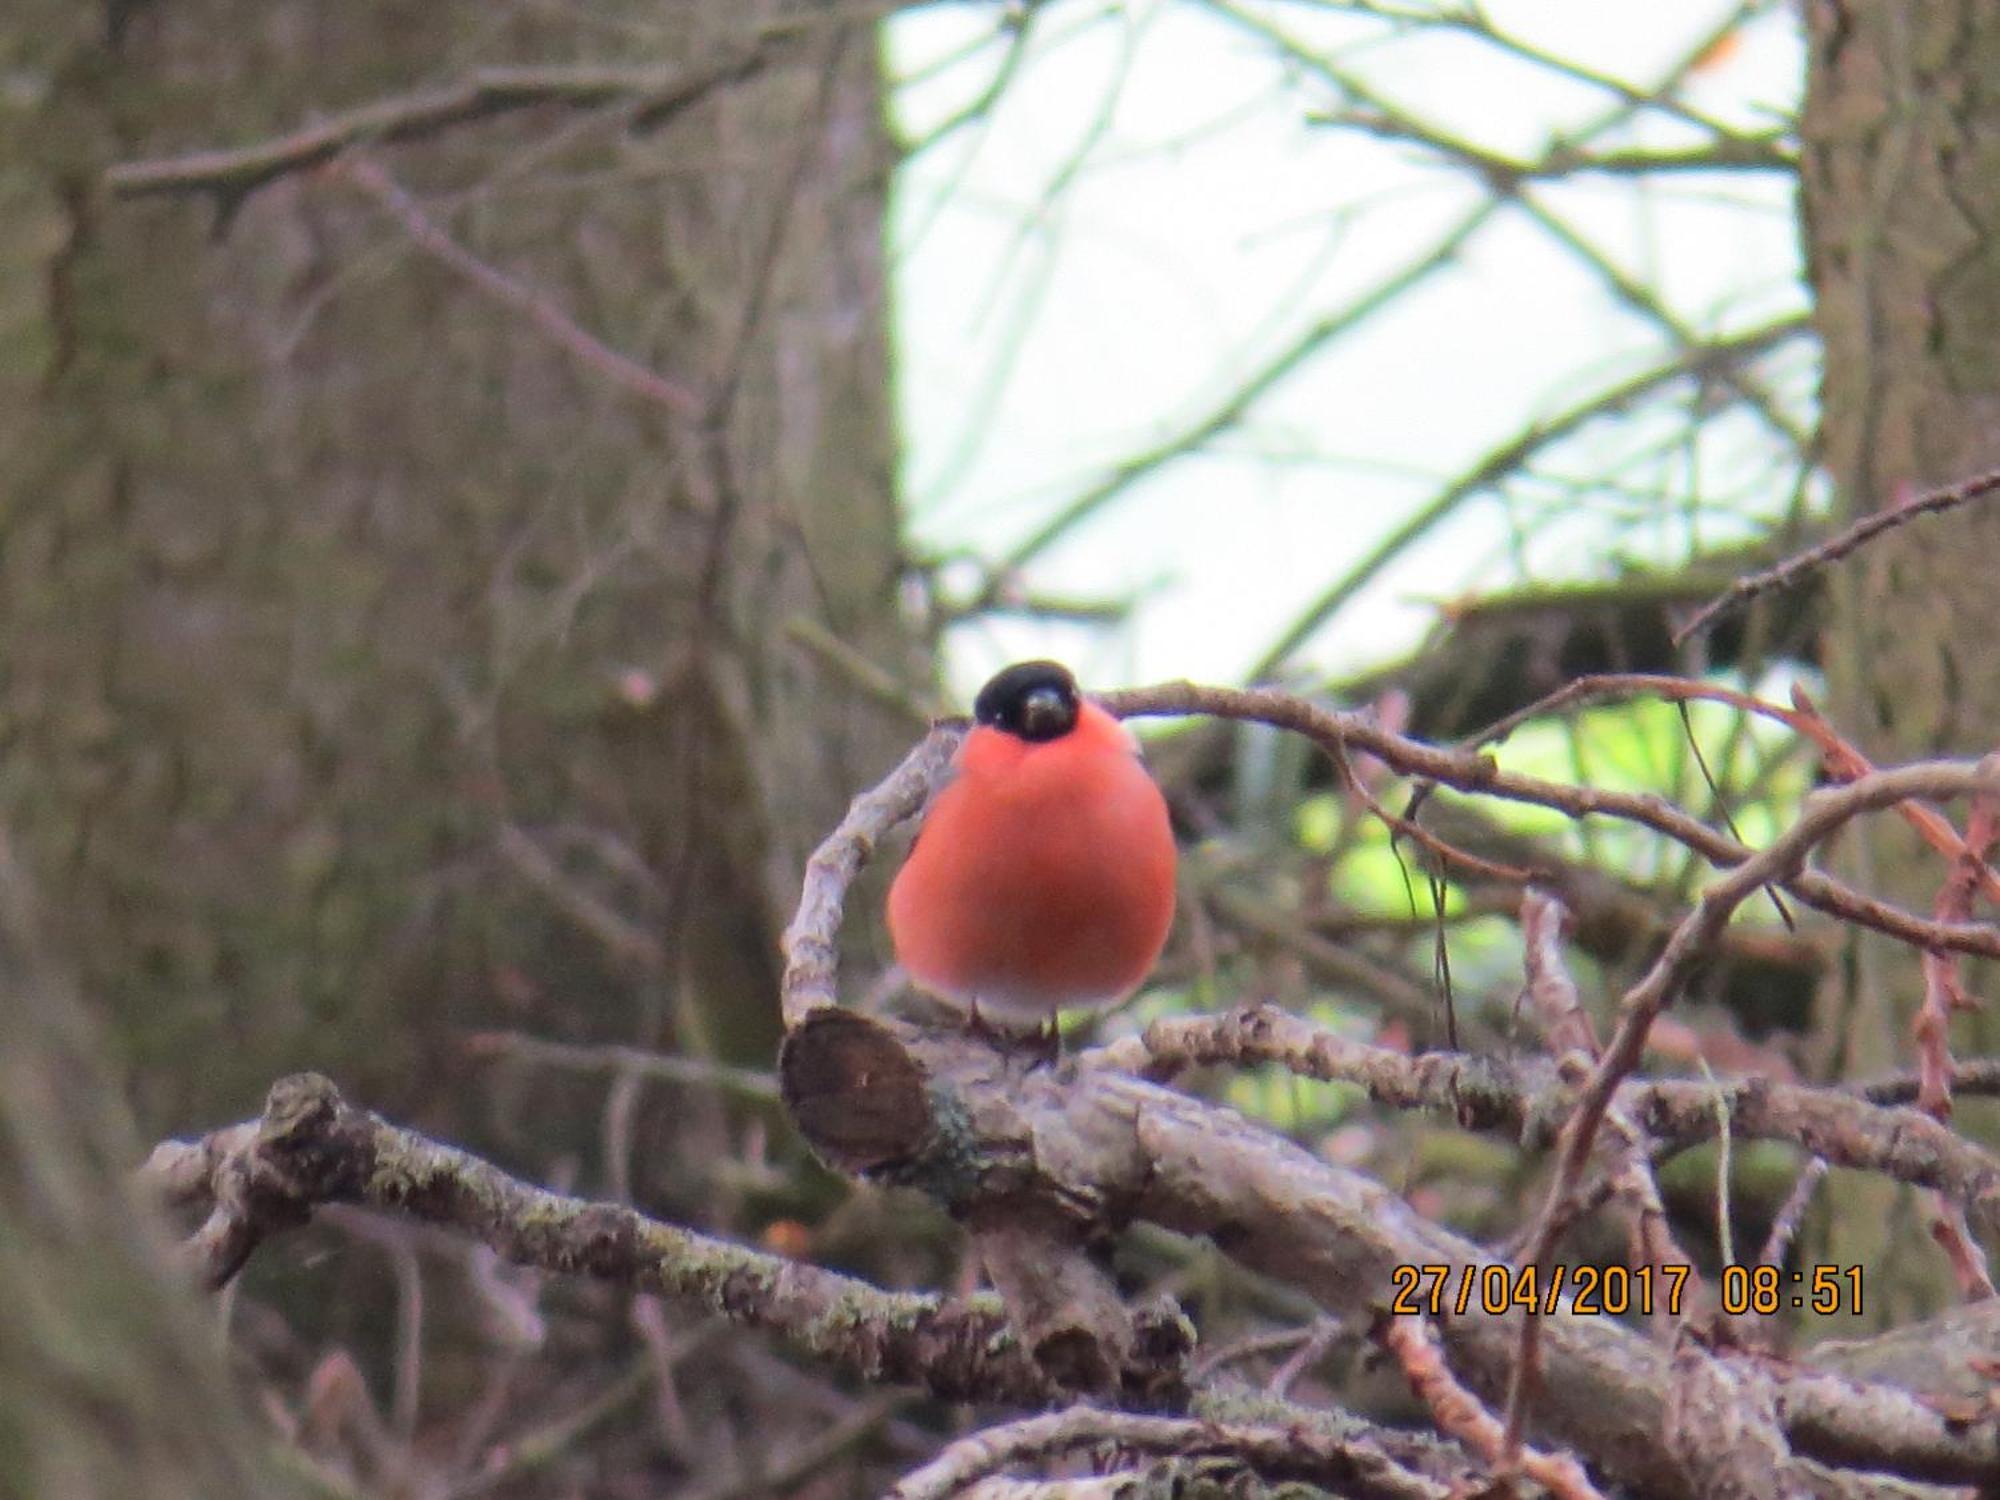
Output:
(1498, 1290)
(1614, 1291)
(1768, 1290)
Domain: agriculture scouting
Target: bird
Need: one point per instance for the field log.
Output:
(1042, 877)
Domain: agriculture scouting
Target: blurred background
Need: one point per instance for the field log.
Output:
(485, 484)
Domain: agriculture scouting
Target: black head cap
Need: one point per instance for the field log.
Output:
(1032, 700)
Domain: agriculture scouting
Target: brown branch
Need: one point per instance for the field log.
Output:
(561, 329)
(1349, 1467)
(1550, 989)
(1567, 1025)
(1954, 1237)
(583, 1057)
(1532, 1103)
(811, 951)
(232, 175)
(1944, 993)
(311, 1147)
(1842, 761)
(1460, 1414)
(1602, 686)
(1841, 545)
(1469, 772)
(1785, 1226)
(1824, 814)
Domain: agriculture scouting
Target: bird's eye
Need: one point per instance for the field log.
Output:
(1045, 714)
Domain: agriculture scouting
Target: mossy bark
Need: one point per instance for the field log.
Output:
(1901, 212)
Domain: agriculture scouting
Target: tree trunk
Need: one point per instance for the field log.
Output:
(1901, 193)
(111, 1378)
(376, 668)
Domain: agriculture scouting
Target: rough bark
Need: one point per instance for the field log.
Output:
(111, 1380)
(373, 665)
(1901, 202)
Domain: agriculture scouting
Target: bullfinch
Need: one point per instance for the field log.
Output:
(1042, 878)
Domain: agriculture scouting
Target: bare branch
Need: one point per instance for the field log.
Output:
(1351, 1467)
(564, 331)
(1834, 548)
(949, 1114)
(1532, 1103)
(1824, 814)
(1944, 992)
(1345, 733)
(811, 954)
(1699, 362)
(667, 1067)
(232, 175)
(1551, 991)
(1460, 1413)
(1225, 415)
(311, 1147)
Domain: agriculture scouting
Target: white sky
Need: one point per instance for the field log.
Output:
(1148, 214)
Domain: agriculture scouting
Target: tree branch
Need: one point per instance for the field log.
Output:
(1352, 1466)
(232, 175)
(311, 1147)
(1343, 734)
(1844, 543)
(1529, 1101)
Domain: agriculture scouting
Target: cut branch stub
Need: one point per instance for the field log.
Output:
(855, 1091)
(889, 1102)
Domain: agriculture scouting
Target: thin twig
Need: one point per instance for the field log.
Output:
(582, 1057)
(233, 174)
(586, 348)
(1824, 814)
(1792, 1212)
(1840, 545)
(1462, 1415)
(1340, 733)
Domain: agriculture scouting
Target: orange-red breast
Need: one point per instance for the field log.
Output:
(1043, 876)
